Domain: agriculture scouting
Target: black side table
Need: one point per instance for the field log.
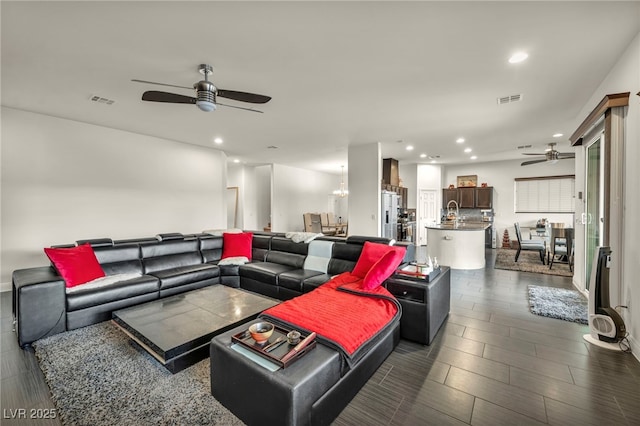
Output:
(425, 305)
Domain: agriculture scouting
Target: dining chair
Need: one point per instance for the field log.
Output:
(531, 245)
(561, 247)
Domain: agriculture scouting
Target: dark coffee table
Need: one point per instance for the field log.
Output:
(177, 330)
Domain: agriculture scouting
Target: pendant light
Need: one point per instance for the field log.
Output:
(342, 192)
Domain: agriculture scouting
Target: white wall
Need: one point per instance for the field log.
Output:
(501, 175)
(297, 191)
(63, 180)
(365, 174)
(625, 77)
(262, 182)
(409, 177)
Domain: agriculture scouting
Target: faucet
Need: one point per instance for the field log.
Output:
(449, 211)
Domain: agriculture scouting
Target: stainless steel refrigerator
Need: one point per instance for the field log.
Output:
(389, 214)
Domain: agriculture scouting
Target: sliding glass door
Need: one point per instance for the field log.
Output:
(594, 202)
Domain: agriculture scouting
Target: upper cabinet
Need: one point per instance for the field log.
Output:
(391, 181)
(449, 195)
(469, 198)
(390, 172)
(484, 198)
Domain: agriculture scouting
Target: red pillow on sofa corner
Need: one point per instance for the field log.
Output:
(235, 245)
(383, 268)
(76, 265)
(371, 253)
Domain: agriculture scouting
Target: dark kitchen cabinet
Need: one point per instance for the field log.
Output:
(390, 172)
(449, 195)
(484, 198)
(467, 198)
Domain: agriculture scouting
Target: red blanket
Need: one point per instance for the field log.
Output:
(340, 311)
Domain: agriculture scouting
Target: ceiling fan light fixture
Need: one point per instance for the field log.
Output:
(205, 96)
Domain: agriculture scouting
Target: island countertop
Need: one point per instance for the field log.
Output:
(460, 226)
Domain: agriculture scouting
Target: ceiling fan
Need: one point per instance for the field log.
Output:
(550, 155)
(206, 94)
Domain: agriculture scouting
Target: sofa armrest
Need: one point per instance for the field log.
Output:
(39, 303)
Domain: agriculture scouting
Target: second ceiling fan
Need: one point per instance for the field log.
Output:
(206, 94)
(550, 155)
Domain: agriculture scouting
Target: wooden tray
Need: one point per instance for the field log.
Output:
(411, 272)
(244, 338)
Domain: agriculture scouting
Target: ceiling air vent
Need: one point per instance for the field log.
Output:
(509, 99)
(101, 100)
(524, 146)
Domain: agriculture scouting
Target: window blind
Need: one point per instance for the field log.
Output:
(549, 194)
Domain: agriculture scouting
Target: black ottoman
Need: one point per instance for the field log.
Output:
(311, 391)
(259, 396)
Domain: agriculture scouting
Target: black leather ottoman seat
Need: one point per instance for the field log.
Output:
(311, 391)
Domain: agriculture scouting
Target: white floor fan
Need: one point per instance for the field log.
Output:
(606, 326)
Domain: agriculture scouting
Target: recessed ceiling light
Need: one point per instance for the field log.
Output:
(467, 150)
(409, 148)
(236, 161)
(473, 157)
(557, 135)
(460, 140)
(423, 155)
(518, 57)
(217, 141)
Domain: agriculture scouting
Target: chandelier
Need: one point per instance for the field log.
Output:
(341, 192)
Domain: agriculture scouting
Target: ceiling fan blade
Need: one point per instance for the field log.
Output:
(565, 155)
(155, 96)
(161, 84)
(526, 163)
(243, 96)
(530, 153)
(233, 106)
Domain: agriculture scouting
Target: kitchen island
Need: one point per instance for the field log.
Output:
(457, 245)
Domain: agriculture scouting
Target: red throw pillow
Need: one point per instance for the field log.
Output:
(76, 265)
(234, 245)
(371, 253)
(383, 268)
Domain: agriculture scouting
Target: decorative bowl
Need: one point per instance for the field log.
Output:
(261, 331)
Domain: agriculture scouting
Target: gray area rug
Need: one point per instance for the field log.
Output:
(560, 303)
(529, 261)
(98, 376)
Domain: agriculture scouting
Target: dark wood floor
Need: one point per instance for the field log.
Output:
(493, 363)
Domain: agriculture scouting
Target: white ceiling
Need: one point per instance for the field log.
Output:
(399, 73)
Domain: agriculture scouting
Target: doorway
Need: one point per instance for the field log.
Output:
(593, 218)
(427, 213)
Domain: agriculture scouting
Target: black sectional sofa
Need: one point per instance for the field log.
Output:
(166, 265)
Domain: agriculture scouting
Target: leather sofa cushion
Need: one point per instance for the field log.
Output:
(166, 248)
(311, 283)
(288, 246)
(265, 272)
(122, 290)
(293, 279)
(211, 248)
(181, 275)
(121, 259)
(295, 261)
(260, 246)
(344, 258)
